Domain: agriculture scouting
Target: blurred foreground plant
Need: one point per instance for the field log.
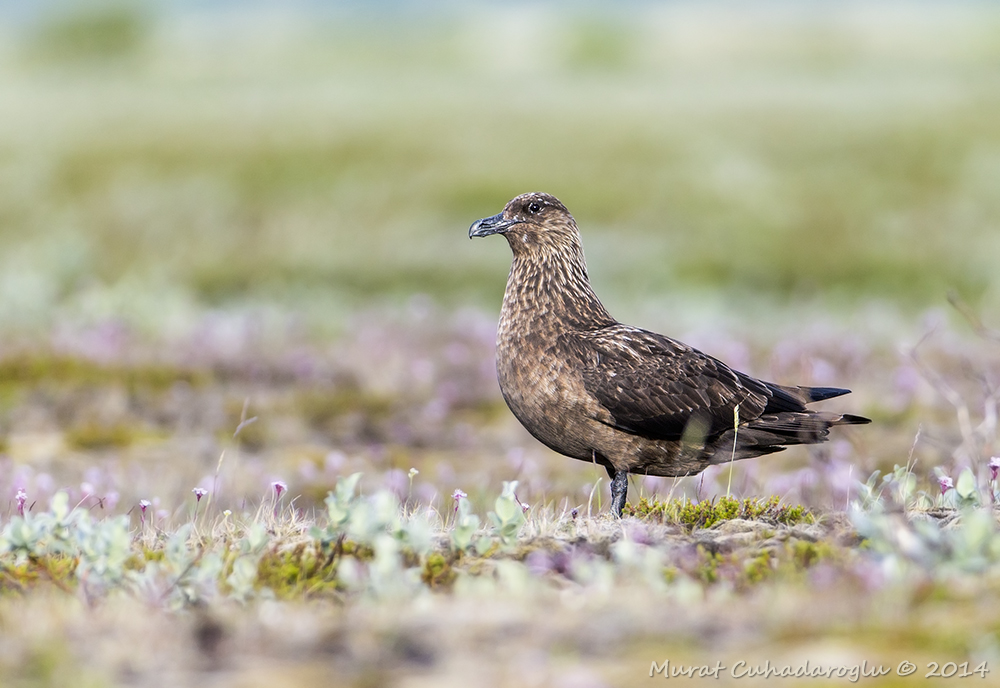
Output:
(373, 547)
(508, 517)
(941, 535)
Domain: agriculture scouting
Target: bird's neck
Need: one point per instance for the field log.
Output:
(550, 290)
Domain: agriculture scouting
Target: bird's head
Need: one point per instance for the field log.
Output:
(534, 224)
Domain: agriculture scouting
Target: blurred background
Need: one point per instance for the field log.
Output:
(213, 211)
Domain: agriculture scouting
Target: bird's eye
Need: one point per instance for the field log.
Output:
(534, 208)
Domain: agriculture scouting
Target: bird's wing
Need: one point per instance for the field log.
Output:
(660, 388)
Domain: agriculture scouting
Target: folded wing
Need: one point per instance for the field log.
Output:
(656, 387)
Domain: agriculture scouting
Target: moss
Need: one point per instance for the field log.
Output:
(759, 568)
(806, 553)
(90, 436)
(35, 571)
(477, 566)
(58, 569)
(483, 410)
(707, 513)
(323, 408)
(409, 558)
(297, 573)
(708, 570)
(361, 552)
(744, 569)
(438, 573)
(771, 509)
(32, 370)
(655, 510)
(138, 559)
(345, 411)
(135, 562)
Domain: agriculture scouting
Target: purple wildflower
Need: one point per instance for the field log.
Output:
(279, 487)
(458, 495)
(21, 498)
(994, 467)
(199, 492)
(143, 505)
(946, 483)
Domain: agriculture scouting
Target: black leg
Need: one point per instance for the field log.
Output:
(619, 491)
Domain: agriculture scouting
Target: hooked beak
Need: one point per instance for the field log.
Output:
(496, 224)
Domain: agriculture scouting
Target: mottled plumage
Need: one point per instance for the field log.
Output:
(629, 399)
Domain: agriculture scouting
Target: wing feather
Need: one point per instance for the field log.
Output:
(654, 386)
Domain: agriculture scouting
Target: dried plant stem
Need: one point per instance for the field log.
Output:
(736, 434)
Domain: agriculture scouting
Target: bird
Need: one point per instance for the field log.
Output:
(629, 399)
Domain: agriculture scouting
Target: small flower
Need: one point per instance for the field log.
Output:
(574, 513)
(524, 506)
(458, 496)
(144, 504)
(199, 492)
(227, 513)
(279, 487)
(21, 498)
(946, 483)
(994, 467)
(413, 472)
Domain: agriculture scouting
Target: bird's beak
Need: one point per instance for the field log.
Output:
(496, 224)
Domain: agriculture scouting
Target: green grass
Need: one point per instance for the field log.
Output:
(343, 163)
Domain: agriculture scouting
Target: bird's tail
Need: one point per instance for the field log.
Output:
(848, 419)
(773, 432)
(812, 394)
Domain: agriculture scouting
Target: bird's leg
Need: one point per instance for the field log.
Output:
(619, 490)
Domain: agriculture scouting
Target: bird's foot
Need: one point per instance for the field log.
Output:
(619, 492)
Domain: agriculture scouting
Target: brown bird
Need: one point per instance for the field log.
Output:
(634, 401)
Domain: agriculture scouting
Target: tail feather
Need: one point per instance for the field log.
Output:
(774, 432)
(822, 393)
(792, 399)
(849, 419)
